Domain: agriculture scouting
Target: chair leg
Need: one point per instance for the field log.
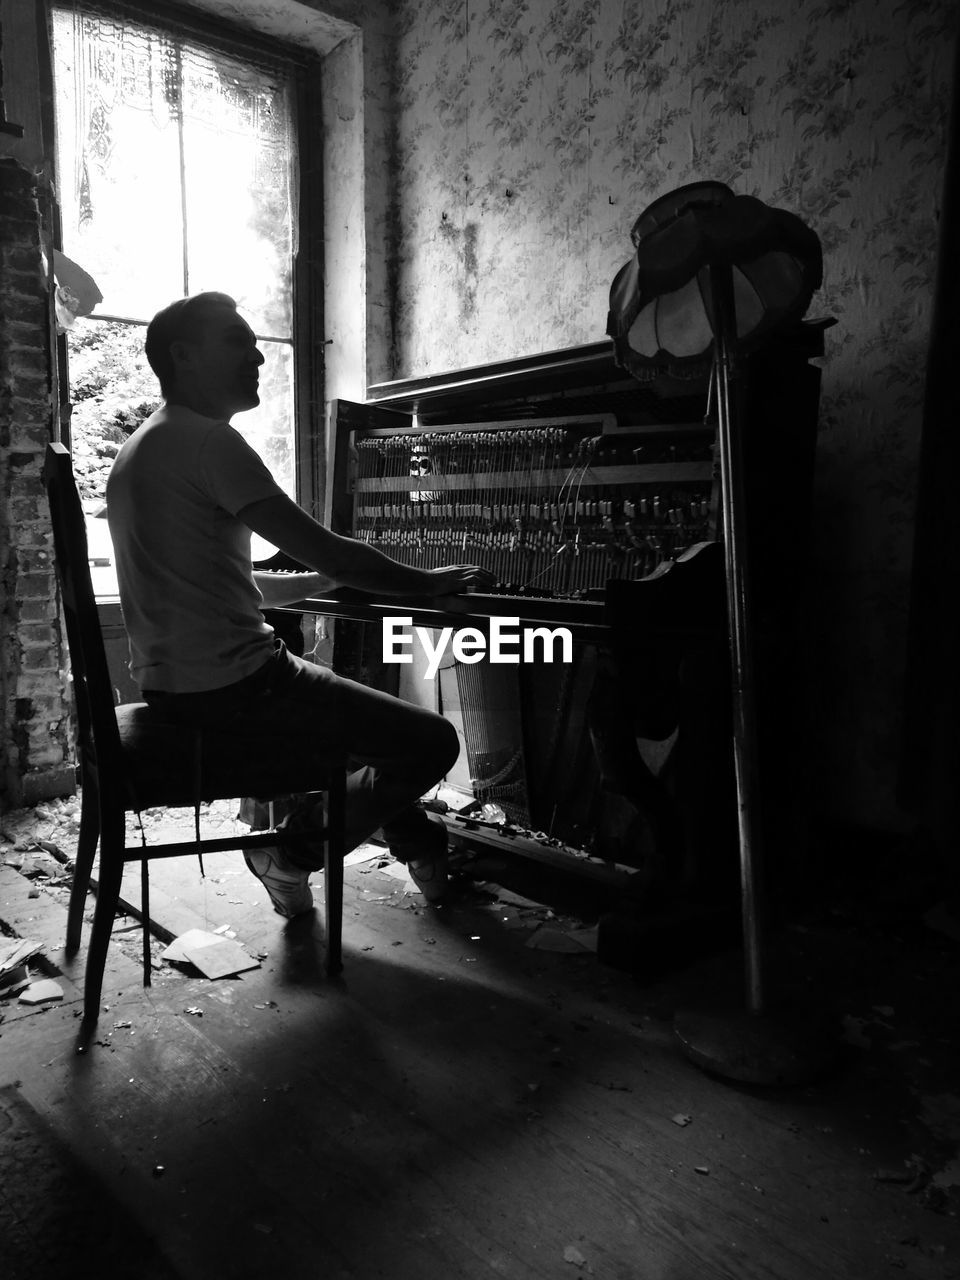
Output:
(86, 851)
(108, 894)
(333, 853)
(145, 913)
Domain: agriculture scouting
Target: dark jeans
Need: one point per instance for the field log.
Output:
(395, 751)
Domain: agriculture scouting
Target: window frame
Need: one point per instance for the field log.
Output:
(304, 69)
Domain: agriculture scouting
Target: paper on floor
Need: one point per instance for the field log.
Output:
(213, 955)
(175, 951)
(363, 853)
(220, 959)
(40, 992)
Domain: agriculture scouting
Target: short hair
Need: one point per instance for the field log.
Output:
(181, 321)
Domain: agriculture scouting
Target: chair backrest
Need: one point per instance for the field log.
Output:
(92, 686)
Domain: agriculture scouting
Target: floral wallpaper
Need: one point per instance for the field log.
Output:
(528, 135)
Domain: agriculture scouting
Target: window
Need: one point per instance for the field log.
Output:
(177, 172)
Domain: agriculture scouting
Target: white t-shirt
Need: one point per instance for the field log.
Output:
(190, 604)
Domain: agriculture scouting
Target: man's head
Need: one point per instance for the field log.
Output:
(205, 355)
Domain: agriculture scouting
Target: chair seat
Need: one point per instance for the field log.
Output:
(160, 759)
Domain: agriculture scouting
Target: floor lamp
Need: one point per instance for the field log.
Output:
(712, 276)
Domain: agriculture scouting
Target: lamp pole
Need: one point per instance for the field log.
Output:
(758, 1045)
(742, 667)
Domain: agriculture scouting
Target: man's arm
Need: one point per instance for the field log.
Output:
(344, 562)
(279, 589)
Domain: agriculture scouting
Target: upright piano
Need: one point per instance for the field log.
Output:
(593, 498)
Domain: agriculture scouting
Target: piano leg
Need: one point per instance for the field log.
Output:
(613, 729)
(689, 804)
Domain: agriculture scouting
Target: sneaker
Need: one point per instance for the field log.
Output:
(287, 885)
(429, 872)
(430, 876)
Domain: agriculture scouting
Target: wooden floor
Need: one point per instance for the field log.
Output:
(461, 1105)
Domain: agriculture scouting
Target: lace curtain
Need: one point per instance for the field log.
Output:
(176, 168)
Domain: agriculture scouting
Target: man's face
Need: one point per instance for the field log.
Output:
(221, 369)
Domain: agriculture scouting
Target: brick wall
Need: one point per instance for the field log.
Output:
(35, 731)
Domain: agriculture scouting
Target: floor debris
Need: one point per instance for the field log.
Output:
(573, 1255)
(223, 958)
(362, 853)
(399, 871)
(15, 952)
(213, 955)
(14, 981)
(902, 1065)
(41, 992)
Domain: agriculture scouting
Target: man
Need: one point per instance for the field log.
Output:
(183, 495)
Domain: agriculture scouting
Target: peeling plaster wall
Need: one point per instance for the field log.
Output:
(531, 133)
(345, 235)
(305, 24)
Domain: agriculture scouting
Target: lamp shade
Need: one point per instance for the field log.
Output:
(661, 306)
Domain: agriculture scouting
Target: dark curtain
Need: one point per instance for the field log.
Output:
(930, 763)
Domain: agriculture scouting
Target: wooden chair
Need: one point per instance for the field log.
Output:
(131, 760)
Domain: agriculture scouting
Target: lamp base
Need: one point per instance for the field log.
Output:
(784, 1047)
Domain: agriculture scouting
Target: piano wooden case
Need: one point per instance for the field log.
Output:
(590, 495)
